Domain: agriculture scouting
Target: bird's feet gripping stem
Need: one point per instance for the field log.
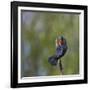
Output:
(61, 67)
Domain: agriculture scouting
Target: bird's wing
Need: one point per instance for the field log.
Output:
(59, 51)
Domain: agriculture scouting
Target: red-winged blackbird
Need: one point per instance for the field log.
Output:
(61, 48)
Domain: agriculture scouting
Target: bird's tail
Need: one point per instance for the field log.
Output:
(53, 60)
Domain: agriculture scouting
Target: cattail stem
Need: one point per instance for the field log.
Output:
(61, 67)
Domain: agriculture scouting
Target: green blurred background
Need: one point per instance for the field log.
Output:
(38, 33)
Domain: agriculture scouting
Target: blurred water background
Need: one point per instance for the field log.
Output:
(38, 33)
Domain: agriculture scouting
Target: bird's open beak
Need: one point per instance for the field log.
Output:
(56, 43)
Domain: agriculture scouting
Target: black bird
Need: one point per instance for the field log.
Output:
(61, 48)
